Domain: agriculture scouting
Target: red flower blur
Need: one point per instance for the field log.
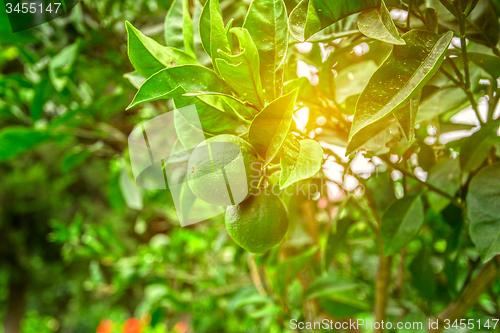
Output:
(105, 326)
(132, 325)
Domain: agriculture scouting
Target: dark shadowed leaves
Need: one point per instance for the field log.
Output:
(483, 200)
(401, 223)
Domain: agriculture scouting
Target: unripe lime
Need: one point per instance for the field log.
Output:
(220, 169)
(258, 223)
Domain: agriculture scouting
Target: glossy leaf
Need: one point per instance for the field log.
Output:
(241, 71)
(267, 23)
(299, 160)
(377, 23)
(270, 127)
(175, 81)
(179, 27)
(445, 176)
(401, 223)
(401, 76)
(483, 200)
(17, 140)
(212, 30)
(310, 16)
(476, 148)
(149, 57)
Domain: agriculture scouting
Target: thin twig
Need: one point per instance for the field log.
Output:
(431, 187)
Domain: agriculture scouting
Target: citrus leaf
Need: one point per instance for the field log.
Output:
(401, 223)
(175, 81)
(483, 200)
(376, 136)
(407, 115)
(179, 27)
(17, 140)
(241, 71)
(300, 160)
(212, 31)
(269, 129)
(445, 176)
(377, 23)
(149, 57)
(213, 117)
(476, 148)
(403, 74)
(267, 23)
(310, 16)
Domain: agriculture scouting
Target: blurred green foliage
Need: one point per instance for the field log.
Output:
(80, 243)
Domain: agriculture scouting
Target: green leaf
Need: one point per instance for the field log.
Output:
(377, 136)
(353, 79)
(241, 71)
(401, 76)
(443, 101)
(175, 81)
(300, 160)
(476, 148)
(179, 27)
(270, 127)
(445, 176)
(310, 16)
(149, 57)
(401, 223)
(407, 115)
(490, 63)
(212, 31)
(483, 200)
(212, 115)
(17, 140)
(267, 23)
(377, 23)
(431, 20)
(61, 66)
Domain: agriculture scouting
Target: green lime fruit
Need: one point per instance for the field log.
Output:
(258, 223)
(220, 170)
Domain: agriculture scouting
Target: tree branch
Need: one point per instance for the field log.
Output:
(476, 288)
(431, 187)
